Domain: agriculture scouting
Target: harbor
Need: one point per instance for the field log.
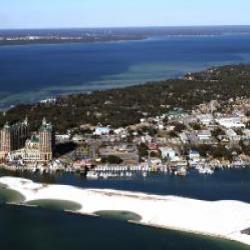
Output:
(126, 171)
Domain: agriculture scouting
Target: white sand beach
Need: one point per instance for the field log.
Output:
(224, 219)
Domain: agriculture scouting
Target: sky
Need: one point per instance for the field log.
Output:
(121, 13)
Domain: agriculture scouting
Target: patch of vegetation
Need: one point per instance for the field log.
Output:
(112, 159)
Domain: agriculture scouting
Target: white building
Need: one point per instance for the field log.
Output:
(102, 130)
(230, 122)
(246, 133)
(194, 155)
(206, 119)
(168, 153)
(62, 138)
(204, 135)
(232, 135)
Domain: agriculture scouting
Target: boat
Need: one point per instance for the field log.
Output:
(206, 171)
(128, 174)
(181, 172)
(92, 175)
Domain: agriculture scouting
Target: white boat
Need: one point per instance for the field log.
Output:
(92, 175)
(181, 172)
(206, 171)
(128, 174)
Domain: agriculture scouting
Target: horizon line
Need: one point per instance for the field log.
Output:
(130, 27)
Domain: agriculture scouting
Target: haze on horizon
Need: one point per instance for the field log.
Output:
(16, 14)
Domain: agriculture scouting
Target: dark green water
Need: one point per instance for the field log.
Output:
(10, 196)
(39, 229)
(119, 215)
(56, 205)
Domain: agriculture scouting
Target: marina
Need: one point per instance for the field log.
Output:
(117, 171)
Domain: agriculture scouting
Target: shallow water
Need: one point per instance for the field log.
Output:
(33, 72)
(119, 215)
(62, 205)
(10, 196)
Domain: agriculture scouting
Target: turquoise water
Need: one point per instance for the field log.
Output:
(33, 72)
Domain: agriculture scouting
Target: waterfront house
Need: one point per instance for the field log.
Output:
(168, 153)
(193, 155)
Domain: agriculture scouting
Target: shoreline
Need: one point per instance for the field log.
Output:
(28, 97)
(177, 230)
(167, 212)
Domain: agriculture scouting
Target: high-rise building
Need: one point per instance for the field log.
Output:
(16, 145)
(13, 137)
(46, 141)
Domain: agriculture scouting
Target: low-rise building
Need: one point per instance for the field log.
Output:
(232, 135)
(194, 155)
(206, 119)
(168, 153)
(102, 130)
(204, 135)
(230, 122)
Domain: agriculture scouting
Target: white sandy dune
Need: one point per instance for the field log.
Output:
(225, 219)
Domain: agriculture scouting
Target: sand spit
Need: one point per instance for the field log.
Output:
(224, 219)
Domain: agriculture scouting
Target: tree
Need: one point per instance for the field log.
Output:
(196, 126)
(142, 150)
(218, 131)
(179, 127)
(112, 159)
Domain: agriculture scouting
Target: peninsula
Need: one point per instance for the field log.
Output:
(199, 122)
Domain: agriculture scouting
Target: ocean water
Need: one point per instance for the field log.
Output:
(33, 72)
(39, 229)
